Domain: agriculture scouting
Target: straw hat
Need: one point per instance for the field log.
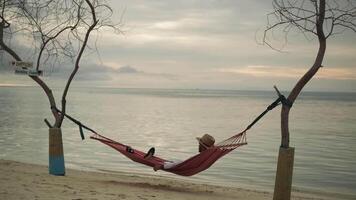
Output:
(207, 140)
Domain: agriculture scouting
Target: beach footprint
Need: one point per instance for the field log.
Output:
(143, 198)
(122, 196)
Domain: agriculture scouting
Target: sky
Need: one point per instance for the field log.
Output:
(202, 44)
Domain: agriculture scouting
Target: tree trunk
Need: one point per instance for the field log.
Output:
(284, 175)
(56, 156)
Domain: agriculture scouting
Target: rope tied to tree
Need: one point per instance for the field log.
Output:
(280, 100)
(80, 125)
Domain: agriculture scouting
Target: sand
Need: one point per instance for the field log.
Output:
(29, 181)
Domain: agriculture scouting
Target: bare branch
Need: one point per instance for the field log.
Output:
(320, 18)
(76, 66)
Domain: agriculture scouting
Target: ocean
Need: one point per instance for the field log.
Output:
(322, 128)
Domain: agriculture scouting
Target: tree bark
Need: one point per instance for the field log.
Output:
(51, 99)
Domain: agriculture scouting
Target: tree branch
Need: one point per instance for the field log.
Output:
(76, 68)
(4, 46)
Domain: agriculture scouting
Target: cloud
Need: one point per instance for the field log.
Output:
(13, 85)
(103, 72)
(204, 44)
(290, 72)
(126, 69)
(110, 72)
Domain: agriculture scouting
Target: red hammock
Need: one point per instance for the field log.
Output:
(189, 167)
(192, 165)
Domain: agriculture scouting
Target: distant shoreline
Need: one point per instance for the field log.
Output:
(15, 85)
(178, 89)
(29, 181)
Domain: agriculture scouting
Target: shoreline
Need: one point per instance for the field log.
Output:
(30, 181)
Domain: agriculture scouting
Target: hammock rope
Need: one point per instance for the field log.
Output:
(192, 165)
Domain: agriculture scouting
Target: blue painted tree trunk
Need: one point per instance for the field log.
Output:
(56, 158)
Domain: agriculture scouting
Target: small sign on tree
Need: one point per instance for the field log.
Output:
(22, 64)
(25, 68)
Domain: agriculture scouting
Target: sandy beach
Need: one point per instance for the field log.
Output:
(29, 181)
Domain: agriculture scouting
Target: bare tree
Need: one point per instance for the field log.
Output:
(312, 18)
(55, 30)
(319, 19)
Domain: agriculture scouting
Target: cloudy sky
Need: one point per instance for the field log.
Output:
(206, 44)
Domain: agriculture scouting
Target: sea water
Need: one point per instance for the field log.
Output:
(322, 130)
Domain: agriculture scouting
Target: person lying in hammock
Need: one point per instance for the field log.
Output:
(205, 142)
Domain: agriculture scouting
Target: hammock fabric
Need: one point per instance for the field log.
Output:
(189, 167)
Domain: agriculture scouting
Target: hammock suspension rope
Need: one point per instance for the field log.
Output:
(193, 165)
